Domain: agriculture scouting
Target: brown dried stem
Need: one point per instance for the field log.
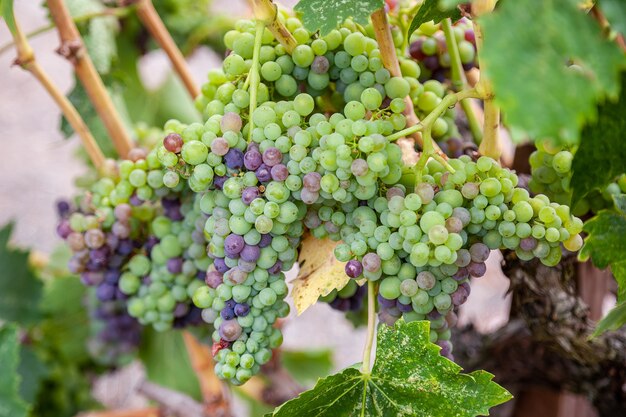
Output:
(73, 48)
(152, 21)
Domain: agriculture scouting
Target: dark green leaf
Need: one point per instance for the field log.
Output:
(66, 328)
(32, 370)
(11, 405)
(20, 289)
(435, 11)
(6, 7)
(600, 157)
(308, 365)
(326, 15)
(527, 46)
(165, 357)
(615, 13)
(409, 378)
(613, 320)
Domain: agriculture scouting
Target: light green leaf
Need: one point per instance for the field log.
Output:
(600, 157)
(613, 320)
(167, 363)
(615, 13)
(435, 11)
(20, 289)
(409, 378)
(307, 366)
(326, 15)
(6, 7)
(11, 405)
(527, 48)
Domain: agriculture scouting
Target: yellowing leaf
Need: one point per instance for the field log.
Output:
(320, 272)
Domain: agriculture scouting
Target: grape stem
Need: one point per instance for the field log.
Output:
(267, 11)
(73, 49)
(490, 145)
(371, 329)
(253, 76)
(459, 80)
(26, 60)
(152, 21)
(390, 61)
(109, 11)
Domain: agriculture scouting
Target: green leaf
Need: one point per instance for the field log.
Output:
(165, 357)
(527, 45)
(33, 371)
(6, 7)
(409, 378)
(308, 365)
(600, 157)
(433, 10)
(11, 405)
(605, 244)
(613, 320)
(20, 289)
(326, 15)
(66, 328)
(615, 13)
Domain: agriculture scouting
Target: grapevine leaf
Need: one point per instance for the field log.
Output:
(320, 272)
(167, 363)
(606, 246)
(435, 11)
(600, 157)
(613, 320)
(11, 405)
(20, 289)
(33, 371)
(536, 89)
(615, 13)
(308, 365)
(326, 15)
(67, 324)
(6, 8)
(409, 378)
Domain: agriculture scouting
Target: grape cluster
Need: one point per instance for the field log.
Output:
(428, 47)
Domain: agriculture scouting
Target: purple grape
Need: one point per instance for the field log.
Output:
(249, 194)
(234, 159)
(433, 315)
(173, 142)
(181, 309)
(272, 156)
(242, 310)
(91, 278)
(263, 173)
(250, 253)
(404, 308)
(393, 192)
(220, 265)
(233, 245)
(477, 269)
(252, 159)
(354, 268)
(125, 247)
(230, 303)
(371, 262)
(218, 181)
(446, 349)
(135, 201)
(341, 304)
(227, 313)
(479, 252)
(64, 229)
(175, 265)
(308, 197)
(105, 292)
(461, 274)
(312, 220)
(383, 302)
(231, 122)
(387, 318)
(219, 146)
(265, 241)
(311, 181)
(246, 266)
(279, 172)
(528, 243)
(63, 208)
(230, 330)
(431, 62)
(320, 65)
(112, 276)
(276, 268)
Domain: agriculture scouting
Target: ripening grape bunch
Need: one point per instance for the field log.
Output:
(204, 225)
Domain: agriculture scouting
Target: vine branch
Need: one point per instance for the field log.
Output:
(73, 49)
(459, 80)
(26, 60)
(490, 145)
(371, 329)
(151, 20)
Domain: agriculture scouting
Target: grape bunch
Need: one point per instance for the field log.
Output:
(428, 47)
